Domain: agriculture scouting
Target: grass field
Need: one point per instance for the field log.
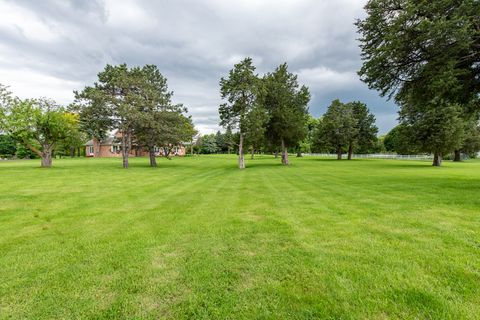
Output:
(198, 238)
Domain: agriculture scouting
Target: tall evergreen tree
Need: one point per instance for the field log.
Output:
(286, 104)
(118, 93)
(159, 122)
(241, 90)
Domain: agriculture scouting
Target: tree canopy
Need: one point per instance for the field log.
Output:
(136, 102)
(337, 128)
(426, 54)
(241, 90)
(38, 124)
(286, 104)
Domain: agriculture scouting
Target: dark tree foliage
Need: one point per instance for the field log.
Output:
(116, 96)
(398, 140)
(208, 144)
(426, 54)
(135, 101)
(286, 104)
(95, 114)
(337, 129)
(433, 129)
(159, 122)
(241, 91)
(366, 131)
(401, 39)
(8, 146)
(471, 143)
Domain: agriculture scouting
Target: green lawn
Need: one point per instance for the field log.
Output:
(198, 238)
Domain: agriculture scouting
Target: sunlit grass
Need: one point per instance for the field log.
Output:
(198, 238)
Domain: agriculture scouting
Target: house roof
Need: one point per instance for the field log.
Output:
(109, 141)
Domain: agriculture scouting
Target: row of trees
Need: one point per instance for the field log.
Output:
(403, 140)
(351, 129)
(426, 55)
(269, 110)
(134, 101)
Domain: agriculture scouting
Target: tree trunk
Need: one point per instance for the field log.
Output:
(437, 160)
(253, 152)
(72, 152)
(241, 158)
(457, 157)
(96, 147)
(46, 157)
(339, 153)
(153, 161)
(78, 152)
(276, 154)
(350, 151)
(284, 154)
(125, 149)
(299, 153)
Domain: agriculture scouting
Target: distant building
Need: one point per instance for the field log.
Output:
(112, 147)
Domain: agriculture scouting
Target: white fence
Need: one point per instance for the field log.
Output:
(374, 156)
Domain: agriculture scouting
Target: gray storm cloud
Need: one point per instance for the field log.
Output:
(49, 48)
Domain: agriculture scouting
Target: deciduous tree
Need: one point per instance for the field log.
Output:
(39, 124)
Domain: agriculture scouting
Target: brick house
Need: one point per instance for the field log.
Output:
(111, 147)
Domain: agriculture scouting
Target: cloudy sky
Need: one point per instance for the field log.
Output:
(49, 48)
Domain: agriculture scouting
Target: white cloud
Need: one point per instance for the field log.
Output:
(326, 79)
(48, 48)
(26, 83)
(24, 23)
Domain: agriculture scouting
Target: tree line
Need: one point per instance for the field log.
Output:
(270, 112)
(134, 101)
(423, 54)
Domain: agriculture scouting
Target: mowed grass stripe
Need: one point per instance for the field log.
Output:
(198, 238)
